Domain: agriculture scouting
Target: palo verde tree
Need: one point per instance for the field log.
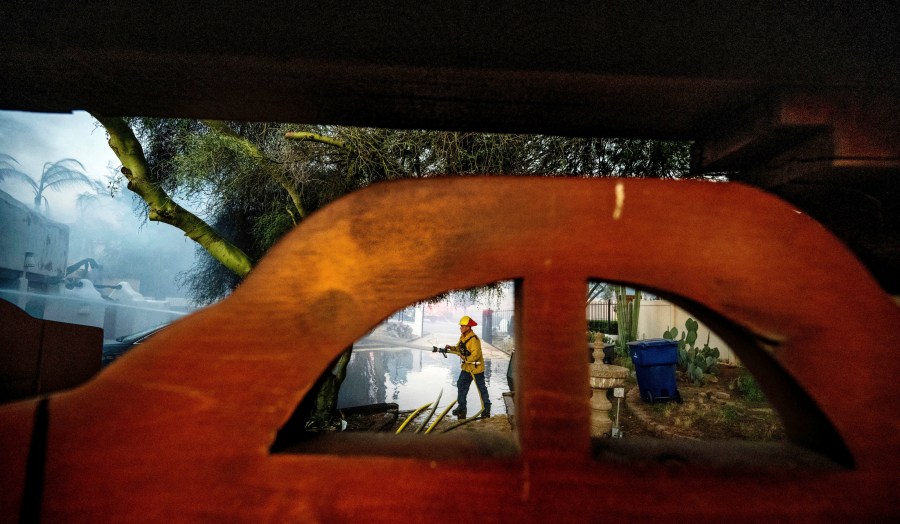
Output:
(255, 181)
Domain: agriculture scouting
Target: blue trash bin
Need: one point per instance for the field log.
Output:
(654, 364)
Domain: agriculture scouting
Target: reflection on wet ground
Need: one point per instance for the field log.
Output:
(412, 378)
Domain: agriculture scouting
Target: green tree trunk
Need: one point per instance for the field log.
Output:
(327, 392)
(162, 208)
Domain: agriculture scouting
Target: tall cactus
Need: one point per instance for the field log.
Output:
(627, 314)
(635, 313)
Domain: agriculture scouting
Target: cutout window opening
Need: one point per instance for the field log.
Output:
(395, 391)
(668, 388)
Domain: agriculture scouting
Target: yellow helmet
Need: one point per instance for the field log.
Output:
(467, 321)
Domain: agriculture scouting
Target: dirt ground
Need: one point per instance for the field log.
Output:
(497, 423)
(391, 421)
(714, 411)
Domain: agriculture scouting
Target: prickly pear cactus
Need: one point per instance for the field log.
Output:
(670, 334)
(691, 327)
(695, 361)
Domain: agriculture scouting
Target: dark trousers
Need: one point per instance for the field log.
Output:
(462, 389)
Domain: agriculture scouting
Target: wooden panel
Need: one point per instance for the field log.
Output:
(16, 428)
(43, 356)
(186, 420)
(861, 124)
(553, 384)
(20, 352)
(71, 355)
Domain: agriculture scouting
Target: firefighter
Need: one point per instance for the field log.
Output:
(472, 368)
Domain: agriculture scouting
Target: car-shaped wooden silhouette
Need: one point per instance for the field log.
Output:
(181, 428)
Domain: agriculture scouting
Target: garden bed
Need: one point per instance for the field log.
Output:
(719, 410)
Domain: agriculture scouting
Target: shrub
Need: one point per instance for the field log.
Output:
(747, 386)
(604, 326)
(399, 330)
(729, 413)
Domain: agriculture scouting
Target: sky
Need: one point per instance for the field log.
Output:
(35, 138)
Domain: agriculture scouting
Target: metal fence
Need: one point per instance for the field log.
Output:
(604, 310)
(501, 321)
(497, 324)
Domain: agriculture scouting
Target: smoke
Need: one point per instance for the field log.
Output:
(34, 139)
(102, 226)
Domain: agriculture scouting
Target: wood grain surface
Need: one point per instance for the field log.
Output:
(180, 428)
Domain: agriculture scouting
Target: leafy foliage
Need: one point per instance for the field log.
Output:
(250, 175)
(729, 413)
(9, 169)
(209, 281)
(399, 330)
(603, 326)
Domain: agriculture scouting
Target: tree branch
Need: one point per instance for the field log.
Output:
(315, 137)
(261, 159)
(162, 208)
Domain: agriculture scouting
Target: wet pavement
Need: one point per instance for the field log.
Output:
(413, 377)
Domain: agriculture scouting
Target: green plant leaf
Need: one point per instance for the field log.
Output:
(691, 324)
(696, 375)
(691, 337)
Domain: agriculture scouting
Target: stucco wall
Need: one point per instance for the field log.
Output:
(26, 231)
(657, 316)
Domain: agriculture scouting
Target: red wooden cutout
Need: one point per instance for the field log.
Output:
(180, 428)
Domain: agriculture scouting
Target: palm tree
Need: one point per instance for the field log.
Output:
(7, 167)
(57, 175)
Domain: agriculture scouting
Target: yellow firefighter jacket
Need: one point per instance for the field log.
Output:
(474, 363)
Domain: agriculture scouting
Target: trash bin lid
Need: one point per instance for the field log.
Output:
(652, 343)
(653, 352)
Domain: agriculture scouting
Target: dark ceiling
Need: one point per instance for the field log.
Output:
(694, 70)
(643, 69)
